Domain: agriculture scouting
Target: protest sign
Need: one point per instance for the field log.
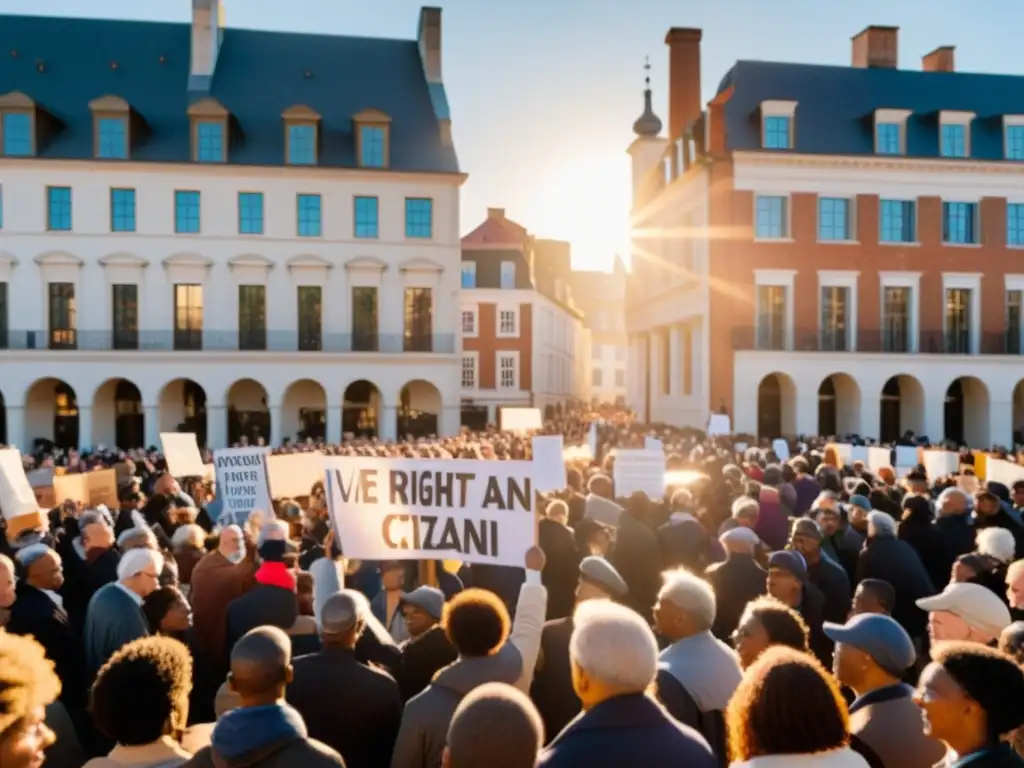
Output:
(521, 419)
(548, 463)
(182, 454)
(16, 495)
(89, 488)
(781, 449)
(242, 482)
(294, 474)
(432, 509)
(639, 471)
(718, 424)
(941, 463)
(1002, 471)
(653, 444)
(878, 458)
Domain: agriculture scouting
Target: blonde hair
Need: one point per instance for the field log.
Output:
(27, 679)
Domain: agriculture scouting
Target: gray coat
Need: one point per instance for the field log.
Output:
(113, 620)
(424, 731)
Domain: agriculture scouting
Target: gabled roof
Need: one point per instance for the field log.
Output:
(258, 76)
(835, 105)
(497, 230)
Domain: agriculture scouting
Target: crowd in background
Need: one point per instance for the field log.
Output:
(762, 613)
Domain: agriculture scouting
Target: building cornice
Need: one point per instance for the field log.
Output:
(879, 163)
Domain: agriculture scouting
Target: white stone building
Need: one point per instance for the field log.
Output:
(269, 253)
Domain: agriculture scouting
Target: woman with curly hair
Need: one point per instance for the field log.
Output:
(140, 701)
(788, 712)
(27, 685)
(767, 622)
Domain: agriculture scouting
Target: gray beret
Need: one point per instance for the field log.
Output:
(880, 637)
(429, 599)
(600, 572)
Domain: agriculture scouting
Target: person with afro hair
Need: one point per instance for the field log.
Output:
(27, 685)
(140, 701)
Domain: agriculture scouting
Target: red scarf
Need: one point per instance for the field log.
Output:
(276, 575)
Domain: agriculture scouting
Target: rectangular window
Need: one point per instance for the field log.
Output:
(371, 144)
(419, 217)
(898, 221)
(17, 134)
(252, 317)
(309, 216)
(596, 351)
(112, 141)
(62, 316)
(896, 319)
(620, 378)
(186, 212)
(596, 377)
(125, 299)
(469, 372)
(772, 218)
(122, 210)
(468, 275)
(310, 318)
(958, 321)
(1015, 224)
(302, 144)
(835, 308)
(507, 322)
(834, 219)
(250, 213)
(960, 223)
(1015, 142)
(771, 317)
(4, 318)
(776, 132)
(419, 320)
(953, 140)
(469, 322)
(887, 138)
(210, 141)
(366, 217)
(58, 214)
(364, 319)
(507, 371)
(508, 275)
(621, 354)
(188, 316)
(1014, 302)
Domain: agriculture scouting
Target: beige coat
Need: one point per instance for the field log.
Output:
(163, 753)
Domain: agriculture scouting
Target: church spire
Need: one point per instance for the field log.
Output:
(648, 125)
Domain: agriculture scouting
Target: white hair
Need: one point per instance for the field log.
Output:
(134, 561)
(189, 534)
(746, 507)
(28, 555)
(134, 535)
(881, 524)
(949, 493)
(690, 594)
(998, 543)
(275, 530)
(614, 645)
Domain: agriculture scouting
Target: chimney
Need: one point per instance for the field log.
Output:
(207, 35)
(496, 213)
(876, 48)
(429, 41)
(684, 105)
(939, 60)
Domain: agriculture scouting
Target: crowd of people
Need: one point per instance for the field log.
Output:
(763, 613)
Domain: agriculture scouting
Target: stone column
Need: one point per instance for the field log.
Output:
(151, 414)
(216, 426)
(84, 427)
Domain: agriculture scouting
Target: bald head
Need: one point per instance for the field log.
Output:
(494, 725)
(261, 666)
(340, 619)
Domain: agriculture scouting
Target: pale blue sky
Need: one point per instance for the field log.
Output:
(544, 92)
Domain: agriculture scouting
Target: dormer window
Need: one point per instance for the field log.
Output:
(373, 139)
(111, 128)
(777, 118)
(891, 131)
(209, 130)
(1013, 128)
(18, 125)
(301, 136)
(955, 133)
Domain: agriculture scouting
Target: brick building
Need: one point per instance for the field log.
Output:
(836, 264)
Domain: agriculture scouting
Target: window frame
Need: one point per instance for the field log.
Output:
(413, 341)
(65, 336)
(105, 118)
(1013, 124)
(359, 335)
(969, 281)
(506, 354)
(849, 223)
(209, 110)
(778, 108)
(375, 119)
(787, 207)
(124, 338)
(499, 331)
(848, 281)
(309, 339)
(252, 338)
(953, 118)
(463, 273)
(911, 281)
(244, 196)
(501, 275)
(50, 227)
(973, 223)
(775, 278)
(301, 197)
(881, 222)
(356, 199)
(410, 201)
(1018, 208)
(17, 103)
(474, 312)
(475, 358)
(301, 116)
(114, 193)
(186, 336)
(178, 197)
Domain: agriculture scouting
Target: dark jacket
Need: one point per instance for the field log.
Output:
(422, 658)
(637, 558)
(931, 546)
(736, 582)
(812, 609)
(273, 736)
(896, 562)
(424, 731)
(561, 569)
(684, 543)
(552, 690)
(353, 709)
(831, 579)
(35, 613)
(631, 730)
(958, 533)
(263, 604)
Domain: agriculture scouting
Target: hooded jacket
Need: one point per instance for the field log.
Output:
(424, 731)
(272, 736)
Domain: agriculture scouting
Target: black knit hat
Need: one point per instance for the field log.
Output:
(988, 676)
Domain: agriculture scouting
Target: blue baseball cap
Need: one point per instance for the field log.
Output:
(880, 637)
